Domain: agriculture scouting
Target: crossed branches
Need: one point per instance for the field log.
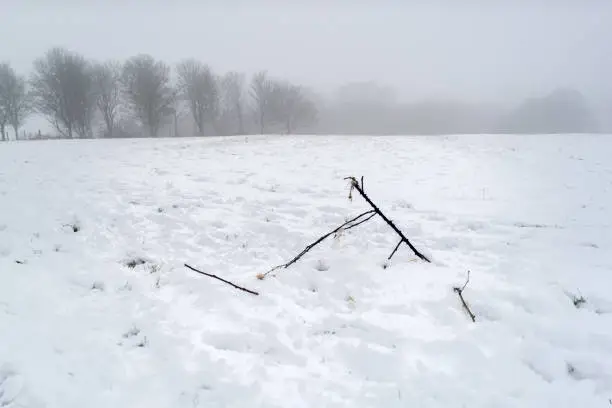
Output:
(352, 223)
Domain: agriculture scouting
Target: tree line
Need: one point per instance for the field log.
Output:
(73, 93)
(143, 96)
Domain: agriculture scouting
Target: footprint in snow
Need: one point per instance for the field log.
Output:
(322, 266)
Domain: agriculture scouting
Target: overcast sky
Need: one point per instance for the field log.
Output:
(495, 50)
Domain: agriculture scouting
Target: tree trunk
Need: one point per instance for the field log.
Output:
(109, 125)
(16, 128)
(3, 131)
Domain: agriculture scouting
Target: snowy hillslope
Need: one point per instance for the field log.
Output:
(84, 324)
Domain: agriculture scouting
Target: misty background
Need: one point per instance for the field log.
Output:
(368, 67)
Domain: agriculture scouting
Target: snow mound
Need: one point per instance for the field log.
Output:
(97, 309)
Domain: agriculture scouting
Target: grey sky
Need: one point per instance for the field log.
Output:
(478, 50)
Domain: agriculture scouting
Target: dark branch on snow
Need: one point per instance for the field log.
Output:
(252, 292)
(395, 250)
(353, 222)
(355, 185)
(372, 215)
(459, 291)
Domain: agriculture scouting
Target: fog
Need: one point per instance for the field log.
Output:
(486, 52)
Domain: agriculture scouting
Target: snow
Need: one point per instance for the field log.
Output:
(528, 216)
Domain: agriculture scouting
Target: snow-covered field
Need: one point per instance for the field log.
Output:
(529, 216)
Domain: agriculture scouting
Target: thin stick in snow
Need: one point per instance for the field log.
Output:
(395, 250)
(459, 291)
(372, 215)
(252, 292)
(355, 185)
(353, 222)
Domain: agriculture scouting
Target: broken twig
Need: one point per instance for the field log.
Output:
(353, 222)
(372, 215)
(252, 292)
(459, 291)
(355, 185)
(395, 250)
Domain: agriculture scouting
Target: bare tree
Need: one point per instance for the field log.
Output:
(107, 82)
(232, 101)
(262, 94)
(198, 86)
(63, 91)
(15, 103)
(291, 106)
(20, 108)
(148, 90)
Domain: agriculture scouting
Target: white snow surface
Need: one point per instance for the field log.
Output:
(528, 216)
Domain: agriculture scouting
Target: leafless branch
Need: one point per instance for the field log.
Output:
(353, 222)
(395, 250)
(252, 292)
(459, 291)
(466, 281)
(355, 185)
(372, 215)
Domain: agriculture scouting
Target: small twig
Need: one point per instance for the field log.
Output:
(466, 281)
(222, 280)
(459, 291)
(395, 250)
(353, 222)
(355, 185)
(358, 223)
